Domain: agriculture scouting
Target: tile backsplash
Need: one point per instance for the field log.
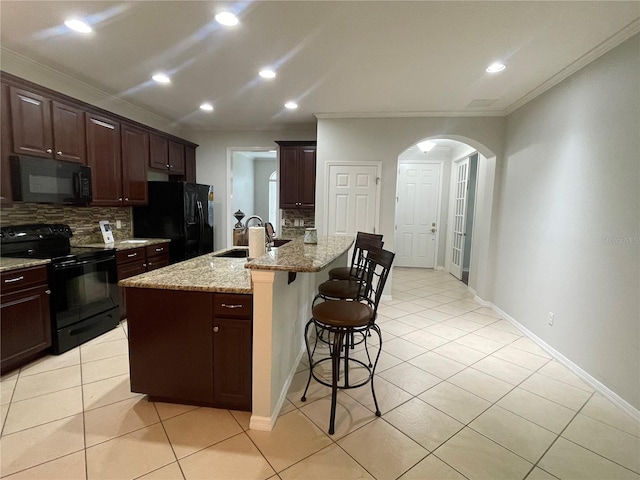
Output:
(294, 222)
(82, 220)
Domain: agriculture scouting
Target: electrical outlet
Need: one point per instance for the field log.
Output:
(550, 318)
(118, 224)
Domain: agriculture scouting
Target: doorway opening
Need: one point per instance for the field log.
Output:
(252, 185)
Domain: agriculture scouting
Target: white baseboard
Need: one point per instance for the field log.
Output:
(594, 383)
(266, 424)
(386, 298)
(472, 291)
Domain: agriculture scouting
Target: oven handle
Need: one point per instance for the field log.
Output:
(73, 263)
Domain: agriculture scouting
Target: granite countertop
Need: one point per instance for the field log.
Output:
(210, 273)
(126, 244)
(9, 263)
(297, 256)
(205, 273)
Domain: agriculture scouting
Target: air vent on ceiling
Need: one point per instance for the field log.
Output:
(482, 103)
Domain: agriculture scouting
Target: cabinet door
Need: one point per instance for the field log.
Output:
(232, 349)
(158, 152)
(103, 156)
(307, 177)
(135, 158)
(176, 158)
(289, 177)
(68, 133)
(189, 164)
(5, 147)
(26, 325)
(31, 123)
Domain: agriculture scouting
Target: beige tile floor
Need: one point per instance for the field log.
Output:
(463, 394)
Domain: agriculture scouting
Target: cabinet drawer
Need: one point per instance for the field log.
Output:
(160, 249)
(23, 278)
(157, 261)
(130, 255)
(233, 305)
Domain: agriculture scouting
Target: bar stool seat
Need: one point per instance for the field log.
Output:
(339, 289)
(341, 313)
(363, 239)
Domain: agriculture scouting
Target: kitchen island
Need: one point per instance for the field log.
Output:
(225, 330)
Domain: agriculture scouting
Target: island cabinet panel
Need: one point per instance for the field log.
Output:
(25, 312)
(191, 347)
(170, 344)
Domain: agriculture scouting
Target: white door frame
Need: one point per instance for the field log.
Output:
(378, 166)
(438, 207)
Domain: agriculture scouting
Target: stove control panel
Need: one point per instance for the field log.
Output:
(37, 231)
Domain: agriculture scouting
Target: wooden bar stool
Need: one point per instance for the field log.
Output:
(340, 320)
(357, 258)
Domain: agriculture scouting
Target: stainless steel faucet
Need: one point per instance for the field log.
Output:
(269, 240)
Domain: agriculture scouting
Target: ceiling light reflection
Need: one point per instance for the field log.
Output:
(78, 25)
(291, 105)
(226, 18)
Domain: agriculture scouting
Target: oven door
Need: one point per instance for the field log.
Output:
(83, 289)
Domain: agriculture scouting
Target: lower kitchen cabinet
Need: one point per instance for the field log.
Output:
(139, 260)
(26, 319)
(191, 347)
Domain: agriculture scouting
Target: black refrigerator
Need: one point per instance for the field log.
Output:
(180, 211)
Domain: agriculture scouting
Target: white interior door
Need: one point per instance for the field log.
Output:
(460, 174)
(353, 194)
(417, 214)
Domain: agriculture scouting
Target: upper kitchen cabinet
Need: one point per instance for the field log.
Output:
(297, 174)
(103, 156)
(5, 147)
(166, 155)
(189, 164)
(135, 158)
(46, 128)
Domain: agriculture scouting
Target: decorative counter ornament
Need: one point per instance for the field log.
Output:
(311, 235)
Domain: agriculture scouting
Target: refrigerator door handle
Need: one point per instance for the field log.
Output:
(201, 228)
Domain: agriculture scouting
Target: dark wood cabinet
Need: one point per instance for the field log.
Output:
(104, 158)
(139, 260)
(69, 140)
(191, 347)
(189, 164)
(297, 174)
(176, 158)
(46, 128)
(167, 155)
(158, 152)
(26, 320)
(135, 157)
(6, 197)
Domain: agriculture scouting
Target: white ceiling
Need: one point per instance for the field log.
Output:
(336, 59)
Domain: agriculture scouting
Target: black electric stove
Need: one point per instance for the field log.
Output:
(83, 281)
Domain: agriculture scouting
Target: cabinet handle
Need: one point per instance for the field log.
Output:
(131, 255)
(231, 306)
(48, 292)
(126, 199)
(49, 150)
(160, 249)
(59, 153)
(120, 199)
(12, 280)
(215, 329)
(168, 166)
(145, 264)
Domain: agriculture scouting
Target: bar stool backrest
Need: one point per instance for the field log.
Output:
(377, 268)
(364, 242)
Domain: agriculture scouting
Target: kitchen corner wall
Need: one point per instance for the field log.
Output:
(82, 220)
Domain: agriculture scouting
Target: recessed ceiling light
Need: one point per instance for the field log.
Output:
(495, 67)
(207, 107)
(291, 105)
(78, 25)
(267, 73)
(426, 146)
(161, 78)
(227, 18)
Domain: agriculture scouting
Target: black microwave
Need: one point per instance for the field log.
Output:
(42, 180)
